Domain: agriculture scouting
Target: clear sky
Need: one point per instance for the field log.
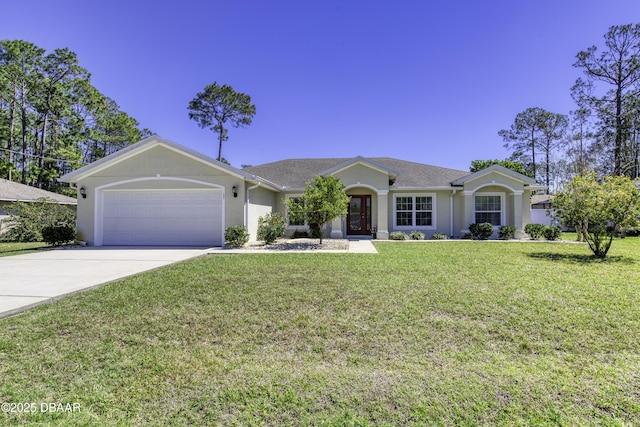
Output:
(427, 81)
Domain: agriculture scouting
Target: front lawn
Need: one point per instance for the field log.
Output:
(11, 248)
(427, 333)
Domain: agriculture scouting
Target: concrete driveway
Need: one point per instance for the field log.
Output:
(45, 276)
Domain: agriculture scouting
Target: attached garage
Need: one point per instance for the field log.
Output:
(159, 193)
(184, 217)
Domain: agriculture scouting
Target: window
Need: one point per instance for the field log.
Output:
(296, 219)
(413, 211)
(489, 209)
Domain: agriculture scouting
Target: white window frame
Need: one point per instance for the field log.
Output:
(502, 207)
(412, 227)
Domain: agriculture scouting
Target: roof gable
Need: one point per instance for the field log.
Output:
(500, 170)
(140, 147)
(359, 160)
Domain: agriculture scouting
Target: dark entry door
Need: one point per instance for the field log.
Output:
(359, 215)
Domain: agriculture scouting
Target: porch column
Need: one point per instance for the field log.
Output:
(469, 209)
(383, 215)
(517, 212)
(336, 228)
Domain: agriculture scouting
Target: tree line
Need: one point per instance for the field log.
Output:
(52, 119)
(602, 133)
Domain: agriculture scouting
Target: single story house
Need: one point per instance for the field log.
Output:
(158, 192)
(15, 192)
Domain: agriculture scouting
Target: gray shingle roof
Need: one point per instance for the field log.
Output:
(294, 173)
(13, 191)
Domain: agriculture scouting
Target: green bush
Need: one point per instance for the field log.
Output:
(271, 226)
(27, 219)
(299, 234)
(416, 235)
(315, 230)
(552, 232)
(535, 231)
(482, 230)
(236, 236)
(56, 235)
(397, 235)
(439, 236)
(507, 232)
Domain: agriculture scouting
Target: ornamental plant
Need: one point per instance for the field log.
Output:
(27, 219)
(482, 230)
(323, 201)
(552, 232)
(271, 227)
(416, 235)
(507, 232)
(236, 236)
(56, 235)
(398, 235)
(598, 209)
(535, 231)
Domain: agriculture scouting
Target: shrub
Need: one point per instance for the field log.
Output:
(298, 234)
(535, 231)
(236, 236)
(507, 232)
(56, 235)
(439, 236)
(416, 235)
(397, 235)
(315, 231)
(552, 232)
(482, 230)
(271, 226)
(27, 219)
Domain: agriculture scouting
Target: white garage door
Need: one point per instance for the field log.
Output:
(166, 217)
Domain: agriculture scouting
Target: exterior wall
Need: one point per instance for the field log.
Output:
(441, 212)
(515, 196)
(261, 202)
(358, 173)
(158, 165)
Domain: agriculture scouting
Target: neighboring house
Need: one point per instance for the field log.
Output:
(15, 192)
(541, 210)
(157, 192)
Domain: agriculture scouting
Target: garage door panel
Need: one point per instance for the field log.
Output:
(162, 217)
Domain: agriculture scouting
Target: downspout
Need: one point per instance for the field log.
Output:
(451, 215)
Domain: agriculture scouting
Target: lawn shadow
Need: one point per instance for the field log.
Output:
(581, 259)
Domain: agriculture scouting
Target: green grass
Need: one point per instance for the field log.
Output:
(10, 248)
(428, 333)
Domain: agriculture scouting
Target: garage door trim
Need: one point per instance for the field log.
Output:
(98, 234)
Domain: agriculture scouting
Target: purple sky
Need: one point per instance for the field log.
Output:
(427, 81)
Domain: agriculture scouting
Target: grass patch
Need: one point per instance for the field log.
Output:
(445, 333)
(11, 248)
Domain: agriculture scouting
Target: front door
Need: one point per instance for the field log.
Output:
(359, 215)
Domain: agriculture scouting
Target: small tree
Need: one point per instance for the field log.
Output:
(323, 201)
(599, 209)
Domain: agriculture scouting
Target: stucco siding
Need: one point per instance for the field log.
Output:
(361, 174)
(261, 202)
(491, 180)
(441, 212)
(155, 169)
